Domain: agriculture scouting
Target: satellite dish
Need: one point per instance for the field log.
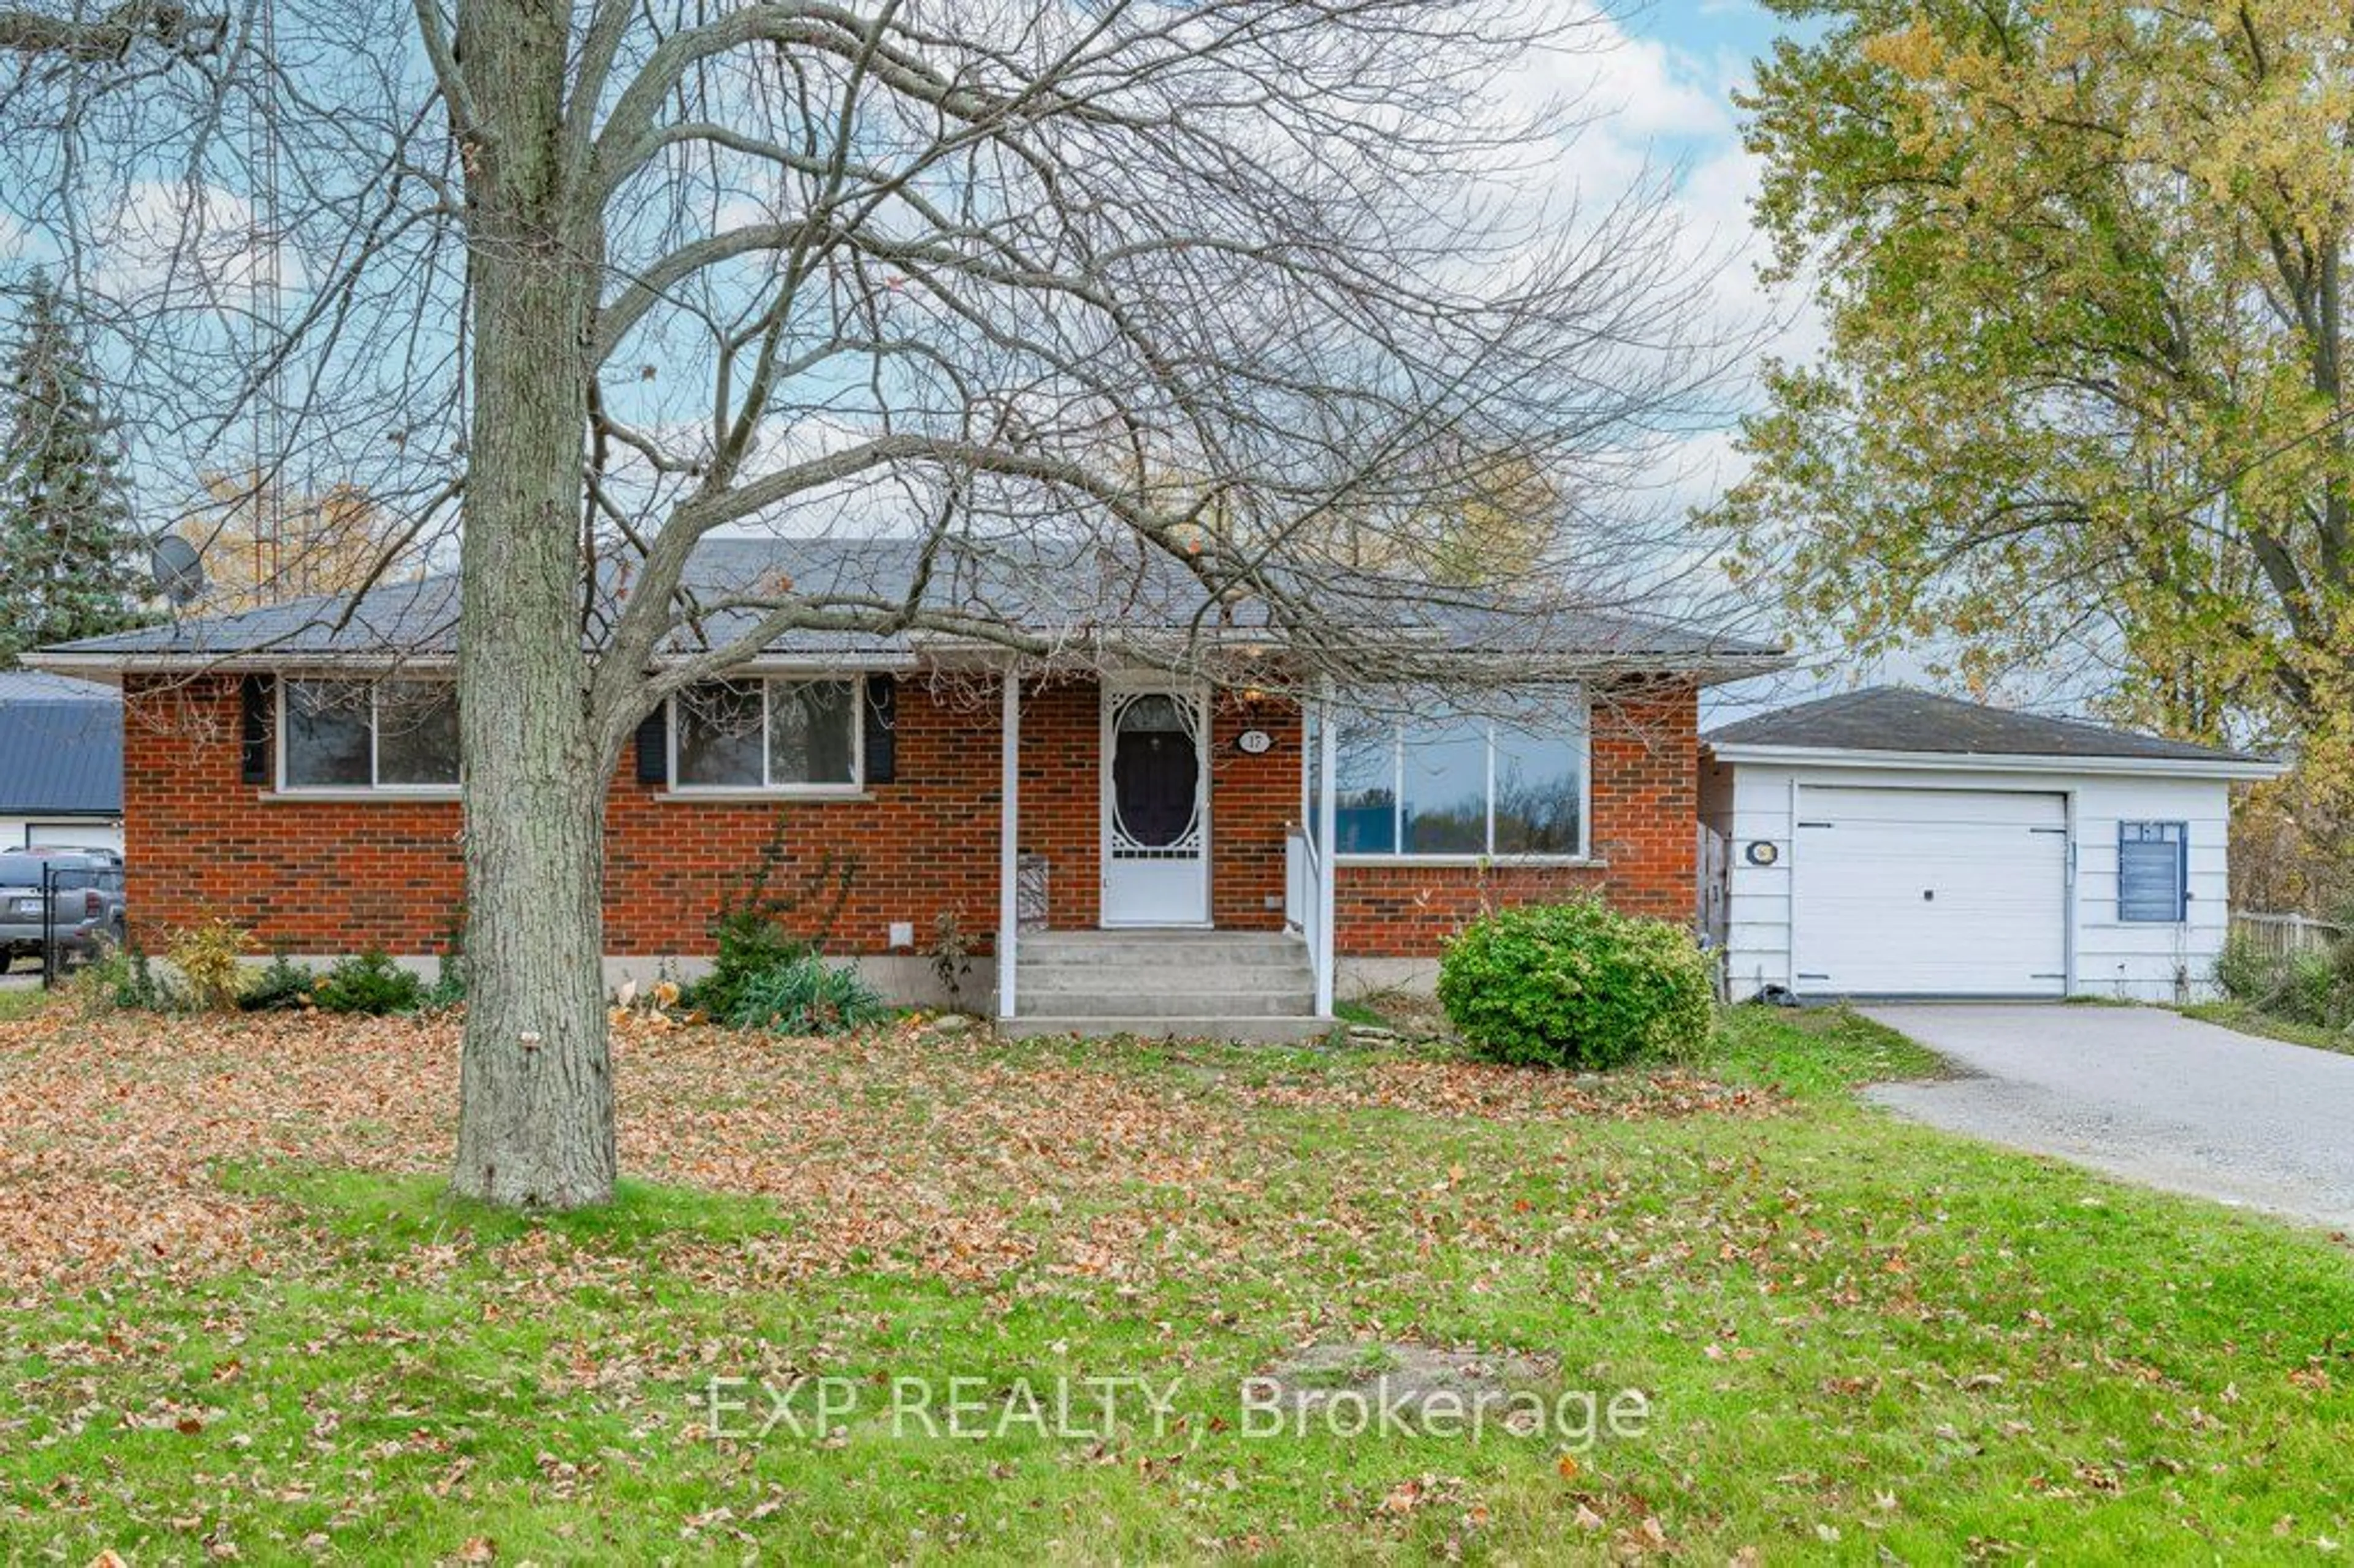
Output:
(179, 570)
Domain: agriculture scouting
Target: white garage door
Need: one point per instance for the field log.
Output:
(1930, 892)
(62, 835)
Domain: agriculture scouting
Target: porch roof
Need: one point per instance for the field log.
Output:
(1083, 595)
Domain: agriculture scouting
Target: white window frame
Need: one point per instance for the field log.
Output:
(371, 790)
(767, 788)
(1581, 717)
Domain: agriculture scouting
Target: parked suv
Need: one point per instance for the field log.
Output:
(87, 889)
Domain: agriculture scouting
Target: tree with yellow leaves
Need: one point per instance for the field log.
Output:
(2082, 265)
(263, 541)
(1503, 521)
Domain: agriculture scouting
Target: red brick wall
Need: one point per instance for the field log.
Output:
(1252, 799)
(923, 845)
(1644, 759)
(1060, 806)
(323, 876)
(337, 876)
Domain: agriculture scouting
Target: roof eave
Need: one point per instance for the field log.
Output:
(2224, 767)
(1703, 668)
(111, 667)
(98, 664)
(1719, 668)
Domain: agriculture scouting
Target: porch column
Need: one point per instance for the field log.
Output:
(1328, 848)
(1009, 838)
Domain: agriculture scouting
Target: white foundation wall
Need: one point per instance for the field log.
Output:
(902, 979)
(1752, 803)
(1353, 980)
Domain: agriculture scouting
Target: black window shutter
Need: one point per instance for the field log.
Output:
(882, 729)
(653, 746)
(256, 692)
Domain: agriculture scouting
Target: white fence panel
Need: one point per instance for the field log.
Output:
(2283, 934)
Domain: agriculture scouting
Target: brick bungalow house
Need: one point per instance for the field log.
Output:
(1135, 841)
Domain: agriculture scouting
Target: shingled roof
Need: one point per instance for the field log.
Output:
(1072, 589)
(60, 746)
(1902, 719)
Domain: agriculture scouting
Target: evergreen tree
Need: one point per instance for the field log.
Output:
(71, 558)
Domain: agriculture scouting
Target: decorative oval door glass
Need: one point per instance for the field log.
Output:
(1156, 775)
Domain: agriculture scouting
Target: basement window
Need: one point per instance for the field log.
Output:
(775, 736)
(367, 735)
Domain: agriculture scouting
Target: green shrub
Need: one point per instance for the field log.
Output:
(122, 980)
(804, 995)
(370, 983)
(754, 932)
(2316, 988)
(2246, 972)
(750, 944)
(1577, 985)
(2308, 991)
(449, 987)
(765, 977)
(282, 986)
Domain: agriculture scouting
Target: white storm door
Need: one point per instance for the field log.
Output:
(1156, 808)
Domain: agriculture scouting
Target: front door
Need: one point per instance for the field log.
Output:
(1155, 808)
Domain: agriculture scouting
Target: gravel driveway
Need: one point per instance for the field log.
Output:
(2147, 1095)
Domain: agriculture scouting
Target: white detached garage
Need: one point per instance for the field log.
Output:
(1890, 842)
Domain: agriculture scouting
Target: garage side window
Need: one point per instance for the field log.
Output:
(2153, 870)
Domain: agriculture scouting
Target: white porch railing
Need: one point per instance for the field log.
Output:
(1299, 871)
(1305, 910)
(1009, 841)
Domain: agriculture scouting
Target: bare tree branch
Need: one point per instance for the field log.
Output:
(114, 35)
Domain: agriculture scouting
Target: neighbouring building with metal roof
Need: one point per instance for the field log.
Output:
(60, 761)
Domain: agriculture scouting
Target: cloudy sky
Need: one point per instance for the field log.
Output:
(1664, 95)
(1672, 78)
(1663, 99)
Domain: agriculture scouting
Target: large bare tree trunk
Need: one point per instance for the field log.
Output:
(535, 1109)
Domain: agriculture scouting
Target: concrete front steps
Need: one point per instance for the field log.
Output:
(1225, 985)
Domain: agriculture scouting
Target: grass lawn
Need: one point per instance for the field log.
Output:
(247, 1322)
(2249, 1020)
(21, 1001)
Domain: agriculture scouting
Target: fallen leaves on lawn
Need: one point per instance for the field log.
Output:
(956, 1156)
(1444, 1088)
(109, 1130)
